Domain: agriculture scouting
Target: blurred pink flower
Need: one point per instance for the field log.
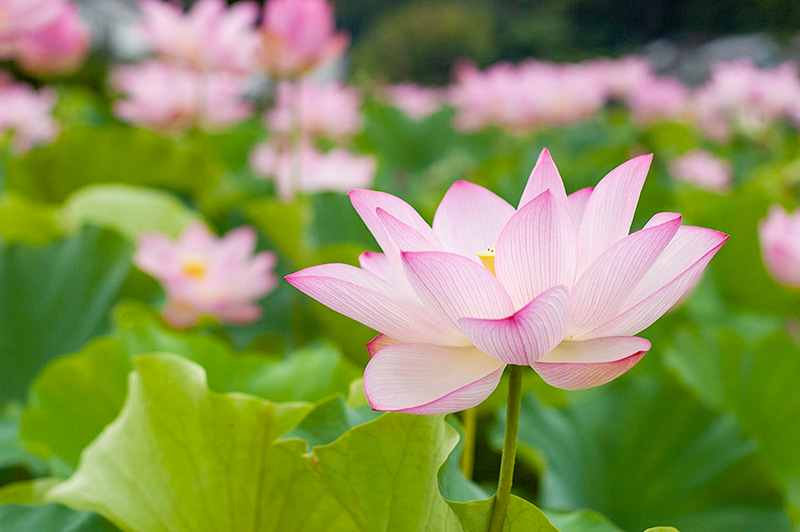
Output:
(622, 77)
(557, 284)
(309, 170)
(779, 234)
(19, 17)
(415, 101)
(208, 276)
(27, 114)
(168, 98)
(316, 110)
(210, 37)
(59, 46)
(658, 99)
(702, 169)
(298, 35)
(525, 97)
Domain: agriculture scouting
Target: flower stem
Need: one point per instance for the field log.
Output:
(509, 449)
(470, 420)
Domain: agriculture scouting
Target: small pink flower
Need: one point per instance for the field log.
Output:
(298, 35)
(557, 284)
(415, 101)
(779, 234)
(167, 98)
(622, 76)
(210, 37)
(308, 170)
(208, 276)
(27, 113)
(703, 169)
(658, 99)
(316, 110)
(59, 46)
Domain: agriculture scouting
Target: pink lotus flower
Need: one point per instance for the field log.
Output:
(308, 170)
(298, 35)
(316, 110)
(415, 101)
(168, 98)
(779, 234)
(557, 284)
(27, 114)
(702, 169)
(658, 99)
(207, 276)
(210, 37)
(59, 46)
(19, 17)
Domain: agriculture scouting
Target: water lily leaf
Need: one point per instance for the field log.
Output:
(61, 295)
(51, 518)
(127, 209)
(643, 453)
(180, 457)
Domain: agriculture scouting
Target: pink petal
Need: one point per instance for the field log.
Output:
(405, 237)
(580, 365)
(378, 264)
(367, 202)
(577, 204)
(526, 336)
(607, 283)
(429, 379)
(379, 342)
(453, 287)
(469, 219)
(536, 250)
(609, 211)
(674, 273)
(544, 176)
(367, 299)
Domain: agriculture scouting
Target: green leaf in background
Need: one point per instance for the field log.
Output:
(28, 492)
(646, 453)
(127, 209)
(181, 457)
(581, 521)
(522, 516)
(27, 222)
(51, 518)
(61, 295)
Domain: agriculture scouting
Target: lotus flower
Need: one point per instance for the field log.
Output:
(703, 169)
(780, 245)
(59, 46)
(207, 276)
(557, 284)
(27, 114)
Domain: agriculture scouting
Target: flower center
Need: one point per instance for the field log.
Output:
(194, 267)
(487, 259)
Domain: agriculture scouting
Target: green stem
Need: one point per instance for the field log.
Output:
(509, 449)
(470, 420)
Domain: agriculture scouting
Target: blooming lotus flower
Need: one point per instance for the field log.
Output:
(309, 170)
(19, 17)
(208, 276)
(210, 37)
(415, 101)
(298, 35)
(557, 284)
(167, 98)
(316, 110)
(779, 234)
(60, 45)
(702, 169)
(27, 114)
(658, 99)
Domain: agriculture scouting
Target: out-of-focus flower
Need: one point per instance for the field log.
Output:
(26, 114)
(19, 17)
(622, 77)
(658, 99)
(59, 46)
(415, 101)
(210, 37)
(557, 284)
(779, 234)
(208, 276)
(309, 170)
(523, 98)
(316, 110)
(298, 35)
(702, 169)
(168, 98)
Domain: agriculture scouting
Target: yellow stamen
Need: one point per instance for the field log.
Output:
(487, 259)
(194, 267)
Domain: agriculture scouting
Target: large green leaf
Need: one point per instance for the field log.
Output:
(127, 209)
(28, 222)
(646, 453)
(51, 518)
(61, 295)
